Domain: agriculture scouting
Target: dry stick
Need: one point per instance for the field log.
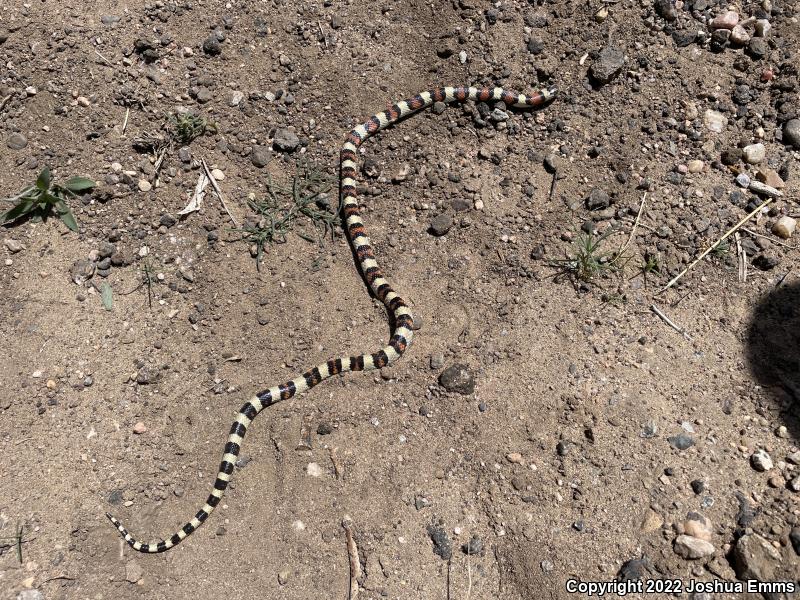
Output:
(125, 122)
(447, 575)
(5, 101)
(352, 553)
(469, 577)
(741, 255)
(105, 60)
(733, 229)
(219, 191)
(669, 322)
(773, 240)
(635, 225)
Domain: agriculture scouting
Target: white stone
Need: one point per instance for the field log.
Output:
(217, 174)
(762, 27)
(754, 153)
(692, 548)
(761, 461)
(144, 185)
(739, 35)
(14, 246)
(784, 227)
(314, 470)
(715, 121)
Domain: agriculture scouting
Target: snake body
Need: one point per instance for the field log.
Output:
(402, 320)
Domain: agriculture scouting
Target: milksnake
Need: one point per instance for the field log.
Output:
(401, 314)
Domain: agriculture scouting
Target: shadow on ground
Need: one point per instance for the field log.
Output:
(773, 352)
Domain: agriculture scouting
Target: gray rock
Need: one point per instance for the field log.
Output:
(439, 107)
(761, 461)
(211, 46)
(184, 154)
(755, 558)
(682, 441)
(16, 141)
(692, 548)
(30, 595)
(791, 133)
(457, 378)
(608, 64)
(14, 246)
(442, 546)
(441, 224)
(133, 572)
(167, 220)
(148, 374)
(666, 9)
(260, 156)
(598, 200)
(81, 271)
(109, 19)
(794, 537)
(204, 95)
(106, 249)
(285, 140)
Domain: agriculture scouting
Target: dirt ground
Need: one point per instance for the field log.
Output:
(597, 438)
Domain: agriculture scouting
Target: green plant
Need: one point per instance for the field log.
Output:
(587, 261)
(276, 216)
(186, 127)
(40, 200)
(721, 249)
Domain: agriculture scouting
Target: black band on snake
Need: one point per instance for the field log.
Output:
(402, 321)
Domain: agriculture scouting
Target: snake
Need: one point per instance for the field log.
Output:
(401, 318)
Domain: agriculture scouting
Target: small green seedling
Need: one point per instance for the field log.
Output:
(41, 200)
(588, 261)
(278, 213)
(187, 127)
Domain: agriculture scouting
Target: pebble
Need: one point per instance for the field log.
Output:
(260, 156)
(762, 27)
(692, 548)
(739, 35)
(16, 141)
(695, 166)
(784, 227)
(666, 9)
(770, 178)
(139, 428)
(211, 46)
(754, 153)
(727, 20)
(794, 484)
(757, 48)
(761, 461)
(743, 180)
(144, 185)
(441, 224)
(81, 271)
(437, 360)
(791, 133)
(133, 571)
(14, 246)
(608, 64)
(457, 378)
(755, 558)
(442, 546)
(598, 199)
(217, 174)
(715, 121)
(283, 576)
(235, 98)
(682, 441)
(314, 470)
(514, 458)
(697, 526)
(285, 140)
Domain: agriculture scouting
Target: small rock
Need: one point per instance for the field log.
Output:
(598, 200)
(109, 19)
(695, 166)
(731, 156)
(739, 35)
(439, 108)
(473, 547)
(697, 526)
(754, 153)
(441, 224)
(139, 428)
(211, 46)
(167, 220)
(757, 48)
(16, 141)
(682, 441)
(457, 378)
(743, 180)
(314, 470)
(260, 156)
(762, 27)
(204, 95)
(609, 62)
(283, 576)
(514, 458)
(761, 461)
(437, 360)
(794, 537)
(235, 98)
(794, 484)
(755, 558)
(651, 522)
(144, 185)
(770, 178)
(784, 227)
(666, 9)
(14, 246)
(285, 140)
(441, 542)
(81, 271)
(692, 548)
(133, 572)
(217, 174)
(765, 262)
(715, 121)
(727, 20)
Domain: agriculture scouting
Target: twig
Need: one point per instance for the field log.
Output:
(322, 33)
(733, 229)
(783, 279)
(773, 240)
(469, 577)
(741, 255)
(635, 225)
(105, 60)
(217, 190)
(352, 553)
(669, 322)
(337, 464)
(158, 163)
(553, 184)
(5, 100)
(447, 575)
(125, 122)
